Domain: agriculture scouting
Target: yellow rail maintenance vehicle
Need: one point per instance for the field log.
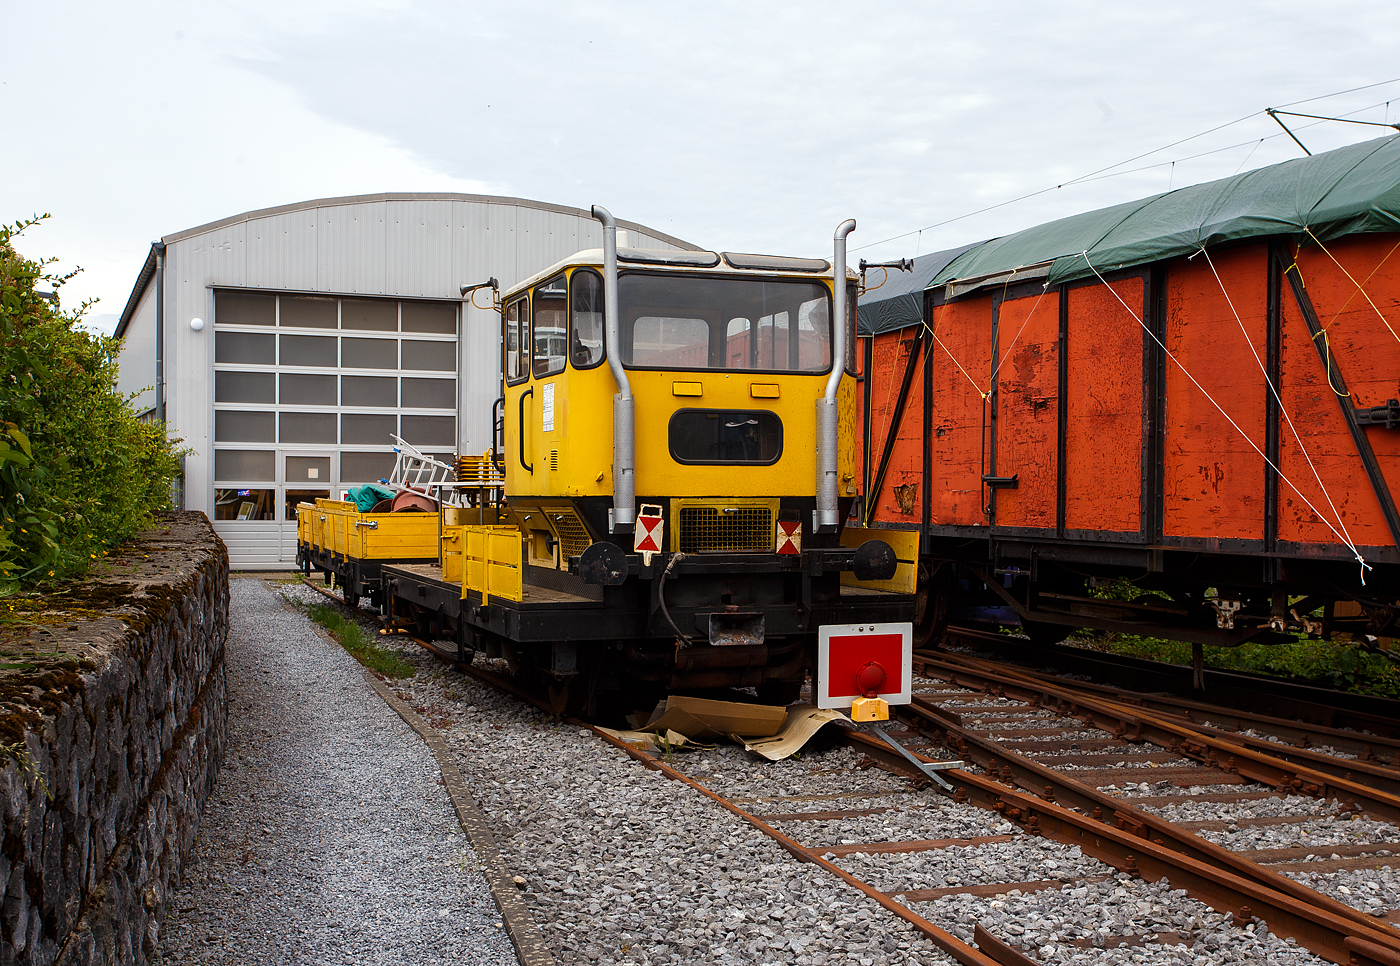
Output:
(348, 544)
(676, 462)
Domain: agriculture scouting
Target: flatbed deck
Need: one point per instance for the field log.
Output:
(534, 594)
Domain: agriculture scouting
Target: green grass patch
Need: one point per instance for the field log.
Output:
(1342, 665)
(361, 646)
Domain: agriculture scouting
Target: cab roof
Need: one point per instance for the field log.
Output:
(680, 260)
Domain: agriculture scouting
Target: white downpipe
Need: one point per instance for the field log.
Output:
(623, 514)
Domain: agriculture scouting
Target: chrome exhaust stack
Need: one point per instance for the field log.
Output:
(825, 518)
(623, 515)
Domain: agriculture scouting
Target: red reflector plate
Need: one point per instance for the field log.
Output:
(647, 535)
(843, 649)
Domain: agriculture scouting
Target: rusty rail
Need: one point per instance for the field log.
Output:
(1189, 740)
(1366, 746)
(1314, 921)
(943, 939)
(1128, 839)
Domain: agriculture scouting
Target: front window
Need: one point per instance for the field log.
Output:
(707, 322)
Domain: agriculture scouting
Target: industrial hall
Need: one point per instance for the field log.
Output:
(288, 347)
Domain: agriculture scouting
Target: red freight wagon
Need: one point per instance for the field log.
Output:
(1196, 392)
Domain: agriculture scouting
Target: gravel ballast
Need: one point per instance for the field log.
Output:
(620, 865)
(329, 838)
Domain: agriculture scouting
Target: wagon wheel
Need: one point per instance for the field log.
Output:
(931, 603)
(558, 694)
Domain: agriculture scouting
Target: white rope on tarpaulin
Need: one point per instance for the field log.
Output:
(984, 393)
(1043, 289)
(1273, 390)
(1353, 281)
(934, 336)
(1211, 399)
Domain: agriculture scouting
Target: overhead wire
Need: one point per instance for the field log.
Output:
(1094, 175)
(1229, 147)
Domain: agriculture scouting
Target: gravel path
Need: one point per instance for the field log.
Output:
(329, 838)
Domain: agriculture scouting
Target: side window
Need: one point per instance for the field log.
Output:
(585, 319)
(551, 315)
(517, 318)
(814, 334)
(851, 299)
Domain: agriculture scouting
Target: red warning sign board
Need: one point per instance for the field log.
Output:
(789, 536)
(843, 649)
(647, 535)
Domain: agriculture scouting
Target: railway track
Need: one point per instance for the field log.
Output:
(1051, 817)
(1365, 725)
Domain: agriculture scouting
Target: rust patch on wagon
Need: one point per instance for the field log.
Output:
(904, 496)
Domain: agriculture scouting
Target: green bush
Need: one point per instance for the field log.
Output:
(1343, 665)
(79, 473)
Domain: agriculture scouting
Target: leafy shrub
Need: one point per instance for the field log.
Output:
(1340, 664)
(79, 472)
(1343, 665)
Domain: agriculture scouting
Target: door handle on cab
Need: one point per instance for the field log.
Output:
(529, 467)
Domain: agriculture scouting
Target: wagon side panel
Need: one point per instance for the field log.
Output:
(1028, 410)
(899, 500)
(960, 440)
(1213, 478)
(1360, 318)
(1104, 409)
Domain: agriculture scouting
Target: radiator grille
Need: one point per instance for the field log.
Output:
(573, 538)
(747, 528)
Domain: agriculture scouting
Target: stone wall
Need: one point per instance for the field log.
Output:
(113, 720)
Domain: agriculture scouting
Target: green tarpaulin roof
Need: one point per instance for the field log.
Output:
(1352, 189)
(1349, 190)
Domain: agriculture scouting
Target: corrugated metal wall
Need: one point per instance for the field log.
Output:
(387, 245)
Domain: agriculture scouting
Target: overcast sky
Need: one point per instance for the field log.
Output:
(743, 126)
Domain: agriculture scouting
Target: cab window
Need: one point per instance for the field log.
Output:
(585, 319)
(550, 314)
(724, 322)
(668, 342)
(517, 319)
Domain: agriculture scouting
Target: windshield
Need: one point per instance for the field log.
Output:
(709, 322)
